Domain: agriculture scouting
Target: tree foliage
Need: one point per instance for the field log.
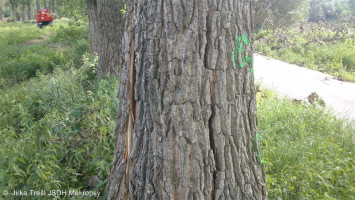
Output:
(329, 10)
(279, 13)
(74, 8)
(285, 13)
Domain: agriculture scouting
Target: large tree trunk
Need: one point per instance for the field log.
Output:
(187, 119)
(29, 11)
(45, 3)
(111, 27)
(93, 25)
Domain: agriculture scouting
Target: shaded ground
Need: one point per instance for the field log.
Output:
(298, 83)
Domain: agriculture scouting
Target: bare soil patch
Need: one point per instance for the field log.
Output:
(41, 40)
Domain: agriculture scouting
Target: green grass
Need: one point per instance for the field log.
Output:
(18, 32)
(57, 131)
(22, 57)
(308, 152)
(56, 118)
(326, 49)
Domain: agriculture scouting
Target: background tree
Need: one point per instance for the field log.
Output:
(110, 29)
(187, 122)
(14, 9)
(29, 9)
(351, 4)
(38, 7)
(106, 30)
(328, 10)
(23, 5)
(75, 9)
(279, 13)
(106, 35)
(53, 6)
(262, 14)
(93, 26)
(23, 16)
(1, 7)
(316, 12)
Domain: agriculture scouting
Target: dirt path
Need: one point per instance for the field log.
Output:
(44, 37)
(40, 39)
(298, 83)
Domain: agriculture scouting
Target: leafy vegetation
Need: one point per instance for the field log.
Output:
(323, 47)
(331, 10)
(286, 30)
(56, 126)
(279, 13)
(57, 134)
(274, 14)
(25, 53)
(308, 152)
(16, 10)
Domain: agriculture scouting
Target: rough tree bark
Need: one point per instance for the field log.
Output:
(111, 27)
(93, 25)
(29, 11)
(187, 119)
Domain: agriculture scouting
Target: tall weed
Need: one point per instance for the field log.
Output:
(308, 152)
(56, 133)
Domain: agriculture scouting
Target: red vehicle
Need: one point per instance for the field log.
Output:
(43, 18)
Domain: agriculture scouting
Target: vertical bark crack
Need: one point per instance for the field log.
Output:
(213, 97)
(132, 107)
(210, 126)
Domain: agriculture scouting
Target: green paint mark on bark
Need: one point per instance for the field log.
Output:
(239, 48)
